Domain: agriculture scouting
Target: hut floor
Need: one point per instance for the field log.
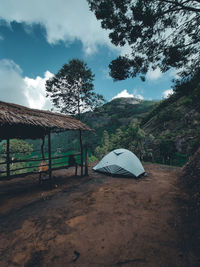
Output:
(93, 221)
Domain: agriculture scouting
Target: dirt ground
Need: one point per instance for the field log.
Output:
(93, 221)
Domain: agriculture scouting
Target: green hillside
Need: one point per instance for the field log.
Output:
(175, 122)
(119, 112)
(115, 114)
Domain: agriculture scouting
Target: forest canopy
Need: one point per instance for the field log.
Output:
(161, 34)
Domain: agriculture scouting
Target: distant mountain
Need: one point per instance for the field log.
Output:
(115, 114)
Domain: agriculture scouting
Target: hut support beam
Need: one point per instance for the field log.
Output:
(86, 161)
(42, 147)
(8, 157)
(49, 152)
(81, 148)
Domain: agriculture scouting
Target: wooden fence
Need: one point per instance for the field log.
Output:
(53, 163)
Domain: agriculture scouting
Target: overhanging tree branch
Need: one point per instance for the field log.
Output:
(164, 32)
(183, 7)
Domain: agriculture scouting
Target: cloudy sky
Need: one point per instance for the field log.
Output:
(38, 37)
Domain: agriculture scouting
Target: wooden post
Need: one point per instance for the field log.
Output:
(42, 147)
(81, 148)
(86, 161)
(49, 152)
(76, 169)
(8, 158)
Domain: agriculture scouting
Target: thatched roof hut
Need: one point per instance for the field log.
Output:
(17, 121)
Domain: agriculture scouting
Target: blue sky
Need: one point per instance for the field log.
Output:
(38, 37)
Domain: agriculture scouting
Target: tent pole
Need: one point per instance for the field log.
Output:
(8, 157)
(49, 152)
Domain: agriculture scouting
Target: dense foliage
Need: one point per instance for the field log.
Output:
(18, 149)
(115, 114)
(147, 147)
(175, 121)
(17, 146)
(131, 138)
(160, 33)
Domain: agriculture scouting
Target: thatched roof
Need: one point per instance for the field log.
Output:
(17, 121)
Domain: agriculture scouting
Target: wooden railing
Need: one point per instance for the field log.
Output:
(10, 172)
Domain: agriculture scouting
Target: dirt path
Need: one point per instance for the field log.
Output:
(107, 221)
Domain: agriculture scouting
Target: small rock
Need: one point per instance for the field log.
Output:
(76, 255)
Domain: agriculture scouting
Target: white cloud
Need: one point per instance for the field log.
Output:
(125, 94)
(36, 93)
(12, 85)
(154, 74)
(167, 93)
(136, 95)
(63, 20)
(14, 88)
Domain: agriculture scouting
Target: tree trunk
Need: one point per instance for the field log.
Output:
(80, 135)
(8, 158)
(81, 148)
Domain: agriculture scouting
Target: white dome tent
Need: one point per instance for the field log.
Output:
(120, 162)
